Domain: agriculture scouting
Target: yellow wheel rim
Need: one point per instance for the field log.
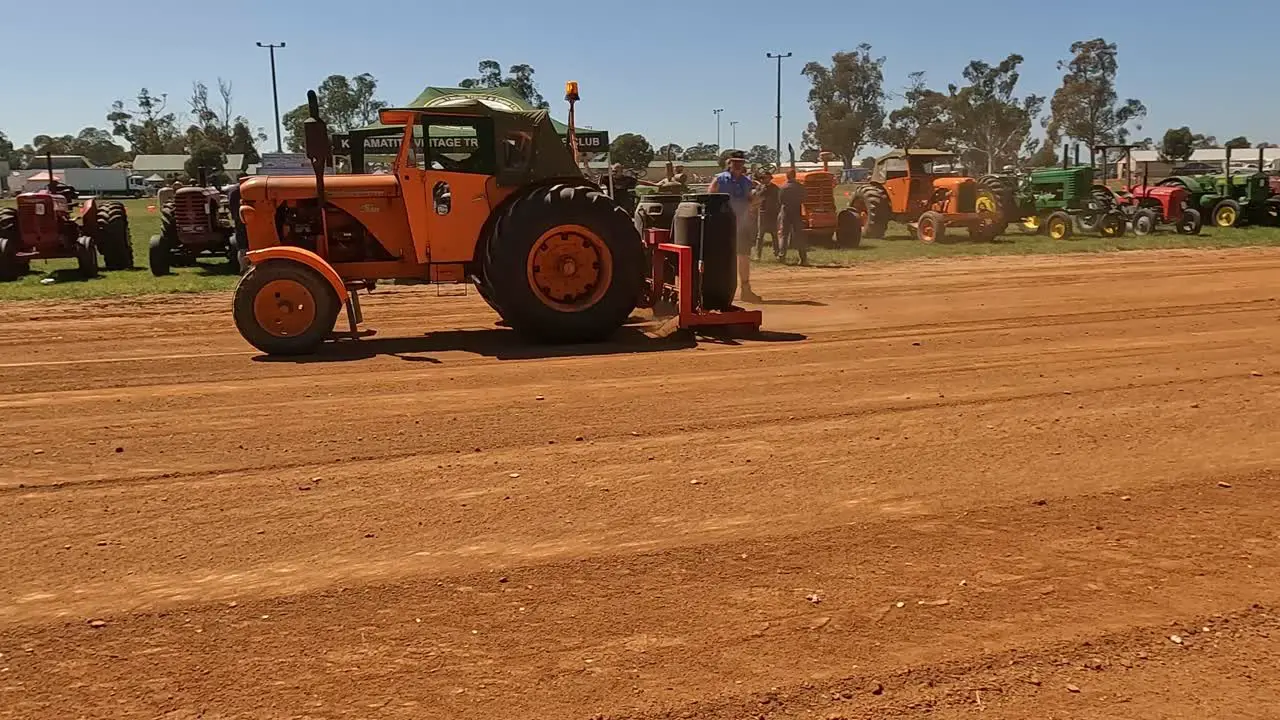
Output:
(1226, 217)
(569, 268)
(284, 308)
(1031, 223)
(985, 203)
(1057, 229)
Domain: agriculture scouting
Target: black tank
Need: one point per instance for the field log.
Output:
(705, 222)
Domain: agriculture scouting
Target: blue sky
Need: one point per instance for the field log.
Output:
(657, 68)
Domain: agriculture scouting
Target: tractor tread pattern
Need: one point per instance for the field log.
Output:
(876, 201)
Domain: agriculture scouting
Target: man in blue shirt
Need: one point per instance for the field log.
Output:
(735, 183)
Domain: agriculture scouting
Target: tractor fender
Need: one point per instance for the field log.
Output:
(291, 253)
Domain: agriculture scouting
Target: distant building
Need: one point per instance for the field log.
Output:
(174, 167)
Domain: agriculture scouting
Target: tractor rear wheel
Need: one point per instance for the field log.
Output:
(86, 257)
(1031, 224)
(1189, 223)
(158, 256)
(1271, 211)
(1145, 221)
(996, 196)
(871, 203)
(1226, 213)
(931, 227)
(11, 268)
(1058, 226)
(283, 307)
(565, 264)
(113, 236)
(848, 229)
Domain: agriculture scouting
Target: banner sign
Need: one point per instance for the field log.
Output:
(388, 143)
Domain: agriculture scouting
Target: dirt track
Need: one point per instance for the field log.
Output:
(989, 486)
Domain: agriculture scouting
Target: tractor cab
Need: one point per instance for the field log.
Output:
(920, 179)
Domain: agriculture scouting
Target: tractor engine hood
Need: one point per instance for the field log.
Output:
(301, 187)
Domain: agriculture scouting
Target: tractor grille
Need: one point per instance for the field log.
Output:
(819, 191)
(191, 212)
(967, 196)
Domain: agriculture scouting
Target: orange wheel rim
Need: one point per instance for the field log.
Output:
(284, 308)
(926, 233)
(570, 268)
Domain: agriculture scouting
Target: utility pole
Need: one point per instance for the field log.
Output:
(717, 111)
(275, 92)
(777, 118)
(733, 131)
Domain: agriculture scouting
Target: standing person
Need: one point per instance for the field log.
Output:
(790, 222)
(767, 222)
(681, 177)
(165, 194)
(735, 183)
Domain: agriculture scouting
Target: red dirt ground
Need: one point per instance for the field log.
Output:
(991, 487)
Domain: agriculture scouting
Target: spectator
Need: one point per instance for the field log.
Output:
(735, 183)
(767, 221)
(791, 223)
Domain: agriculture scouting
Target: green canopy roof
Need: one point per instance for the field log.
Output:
(499, 98)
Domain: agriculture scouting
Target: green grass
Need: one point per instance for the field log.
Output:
(210, 274)
(899, 244)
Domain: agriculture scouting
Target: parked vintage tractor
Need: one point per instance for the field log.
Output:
(477, 194)
(196, 224)
(905, 187)
(1232, 198)
(1146, 207)
(818, 212)
(1057, 200)
(44, 227)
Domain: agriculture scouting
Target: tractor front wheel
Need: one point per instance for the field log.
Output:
(565, 264)
(1226, 213)
(282, 307)
(1189, 223)
(11, 268)
(1058, 226)
(931, 227)
(86, 257)
(1112, 224)
(1144, 222)
(158, 256)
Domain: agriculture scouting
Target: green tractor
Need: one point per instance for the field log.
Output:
(1232, 198)
(1055, 201)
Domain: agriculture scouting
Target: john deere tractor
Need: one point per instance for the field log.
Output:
(1231, 199)
(905, 186)
(1057, 200)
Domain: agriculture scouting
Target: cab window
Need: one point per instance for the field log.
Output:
(453, 144)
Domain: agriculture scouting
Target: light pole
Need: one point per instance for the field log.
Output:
(275, 93)
(717, 111)
(733, 131)
(777, 118)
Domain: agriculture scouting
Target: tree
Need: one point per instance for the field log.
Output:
(1178, 143)
(991, 124)
(922, 121)
(345, 104)
(632, 151)
(762, 155)
(1264, 145)
(867, 163)
(670, 151)
(847, 100)
(211, 158)
(146, 126)
(1086, 107)
(1238, 142)
(218, 125)
(519, 79)
(701, 151)
(7, 152)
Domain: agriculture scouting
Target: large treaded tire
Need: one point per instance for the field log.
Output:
(510, 244)
(11, 268)
(874, 201)
(164, 247)
(113, 236)
(1003, 192)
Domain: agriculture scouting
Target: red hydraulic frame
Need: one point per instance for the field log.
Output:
(691, 316)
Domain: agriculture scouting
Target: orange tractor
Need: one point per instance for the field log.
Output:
(476, 195)
(818, 212)
(909, 186)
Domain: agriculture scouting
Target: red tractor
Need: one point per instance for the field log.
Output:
(42, 227)
(1147, 206)
(197, 223)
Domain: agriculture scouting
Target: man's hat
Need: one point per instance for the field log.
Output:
(735, 155)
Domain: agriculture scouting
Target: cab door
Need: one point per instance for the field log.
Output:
(444, 176)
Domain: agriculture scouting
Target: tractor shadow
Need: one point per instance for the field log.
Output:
(504, 344)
